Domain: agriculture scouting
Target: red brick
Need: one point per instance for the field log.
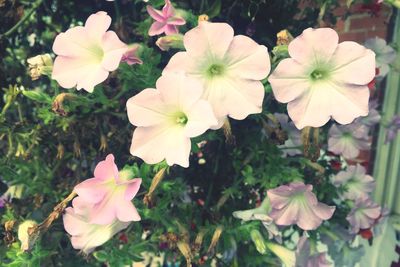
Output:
(381, 32)
(340, 25)
(353, 36)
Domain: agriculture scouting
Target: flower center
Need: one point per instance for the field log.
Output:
(98, 52)
(215, 70)
(318, 74)
(181, 118)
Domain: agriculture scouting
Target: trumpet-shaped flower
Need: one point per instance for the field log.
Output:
(86, 54)
(385, 54)
(296, 204)
(356, 182)
(363, 215)
(166, 119)
(110, 193)
(166, 20)
(85, 235)
(348, 140)
(324, 79)
(229, 67)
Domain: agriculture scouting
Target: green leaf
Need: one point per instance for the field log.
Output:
(383, 250)
(37, 96)
(100, 255)
(215, 9)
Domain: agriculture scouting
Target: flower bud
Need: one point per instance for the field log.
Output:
(170, 41)
(258, 241)
(40, 65)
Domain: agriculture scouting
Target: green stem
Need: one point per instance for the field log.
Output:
(19, 23)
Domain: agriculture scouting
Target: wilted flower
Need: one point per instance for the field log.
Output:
(324, 79)
(385, 54)
(166, 20)
(356, 182)
(130, 56)
(40, 65)
(306, 258)
(166, 119)
(292, 144)
(363, 215)
(229, 67)
(86, 235)
(170, 41)
(392, 129)
(296, 204)
(86, 54)
(23, 233)
(348, 140)
(110, 193)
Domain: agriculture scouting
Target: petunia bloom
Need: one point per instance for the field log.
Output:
(110, 193)
(86, 54)
(305, 257)
(86, 235)
(130, 56)
(295, 203)
(348, 140)
(166, 20)
(166, 119)
(363, 215)
(356, 182)
(385, 54)
(229, 67)
(323, 79)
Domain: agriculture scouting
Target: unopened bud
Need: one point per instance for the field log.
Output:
(40, 65)
(258, 241)
(170, 41)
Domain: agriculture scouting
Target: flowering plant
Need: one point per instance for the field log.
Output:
(203, 136)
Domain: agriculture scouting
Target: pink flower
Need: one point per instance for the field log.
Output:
(130, 56)
(296, 204)
(307, 258)
(110, 193)
(356, 182)
(324, 79)
(84, 234)
(229, 67)
(86, 54)
(348, 140)
(166, 20)
(166, 119)
(363, 215)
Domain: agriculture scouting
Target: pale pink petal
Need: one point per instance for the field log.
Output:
(247, 59)
(168, 10)
(126, 212)
(97, 24)
(153, 144)
(235, 97)
(314, 45)
(157, 28)
(146, 108)
(105, 211)
(72, 223)
(91, 190)
(182, 62)
(93, 78)
(200, 119)
(113, 51)
(73, 43)
(354, 64)
(106, 169)
(179, 90)
(155, 14)
(176, 21)
(132, 188)
(208, 38)
(289, 80)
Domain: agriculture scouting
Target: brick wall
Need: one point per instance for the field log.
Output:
(364, 21)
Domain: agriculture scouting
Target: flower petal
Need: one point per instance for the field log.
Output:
(106, 169)
(247, 59)
(132, 188)
(314, 45)
(97, 24)
(208, 38)
(157, 28)
(155, 14)
(200, 119)
(114, 49)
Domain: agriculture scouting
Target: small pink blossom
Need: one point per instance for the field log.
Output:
(295, 203)
(86, 54)
(363, 215)
(348, 140)
(110, 193)
(324, 79)
(229, 67)
(166, 119)
(166, 20)
(356, 182)
(86, 235)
